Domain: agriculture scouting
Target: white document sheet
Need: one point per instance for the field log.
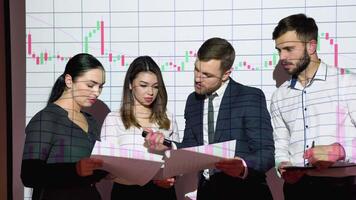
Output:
(194, 159)
(130, 171)
(128, 165)
(138, 167)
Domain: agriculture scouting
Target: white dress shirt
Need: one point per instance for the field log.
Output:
(216, 104)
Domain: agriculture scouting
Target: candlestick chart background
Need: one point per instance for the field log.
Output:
(171, 31)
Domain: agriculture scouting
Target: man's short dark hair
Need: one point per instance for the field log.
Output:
(219, 49)
(304, 26)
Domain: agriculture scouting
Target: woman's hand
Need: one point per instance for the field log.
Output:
(167, 183)
(154, 140)
(86, 166)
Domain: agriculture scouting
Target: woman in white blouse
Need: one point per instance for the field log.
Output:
(144, 106)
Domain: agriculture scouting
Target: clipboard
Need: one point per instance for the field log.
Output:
(339, 164)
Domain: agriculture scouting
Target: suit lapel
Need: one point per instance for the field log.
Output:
(199, 110)
(223, 125)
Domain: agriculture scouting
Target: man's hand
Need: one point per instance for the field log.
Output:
(323, 156)
(290, 176)
(167, 183)
(154, 140)
(233, 167)
(86, 166)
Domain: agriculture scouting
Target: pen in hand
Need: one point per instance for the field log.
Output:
(312, 146)
(166, 142)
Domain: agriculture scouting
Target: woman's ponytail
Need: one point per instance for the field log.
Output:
(57, 89)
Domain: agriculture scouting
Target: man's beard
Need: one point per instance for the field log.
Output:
(208, 91)
(302, 64)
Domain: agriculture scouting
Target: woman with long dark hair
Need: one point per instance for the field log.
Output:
(60, 137)
(144, 107)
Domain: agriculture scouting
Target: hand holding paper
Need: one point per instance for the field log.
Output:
(86, 166)
(325, 160)
(324, 156)
(232, 167)
(290, 176)
(166, 183)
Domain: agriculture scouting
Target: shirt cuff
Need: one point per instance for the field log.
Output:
(341, 151)
(246, 169)
(174, 146)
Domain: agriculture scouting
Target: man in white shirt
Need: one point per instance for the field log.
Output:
(313, 116)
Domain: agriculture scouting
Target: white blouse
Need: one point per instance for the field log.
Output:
(114, 135)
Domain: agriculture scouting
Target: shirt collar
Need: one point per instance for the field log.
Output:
(222, 88)
(320, 75)
(322, 72)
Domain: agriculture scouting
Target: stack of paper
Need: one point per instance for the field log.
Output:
(131, 166)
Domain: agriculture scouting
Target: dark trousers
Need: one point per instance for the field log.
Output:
(325, 188)
(136, 192)
(87, 192)
(222, 186)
